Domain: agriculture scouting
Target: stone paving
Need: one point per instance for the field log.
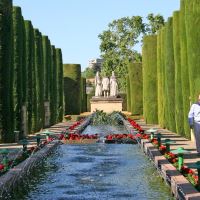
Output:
(190, 157)
(180, 186)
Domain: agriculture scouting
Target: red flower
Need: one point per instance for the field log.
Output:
(1, 167)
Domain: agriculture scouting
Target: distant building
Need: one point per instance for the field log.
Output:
(95, 64)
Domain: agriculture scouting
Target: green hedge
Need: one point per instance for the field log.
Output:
(59, 64)
(170, 76)
(72, 88)
(192, 21)
(124, 104)
(29, 47)
(89, 96)
(149, 66)
(24, 66)
(83, 93)
(163, 58)
(17, 63)
(6, 71)
(53, 86)
(184, 70)
(31, 72)
(46, 60)
(128, 92)
(39, 67)
(136, 87)
(160, 68)
(177, 65)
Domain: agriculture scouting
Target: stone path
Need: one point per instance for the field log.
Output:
(180, 186)
(16, 147)
(191, 157)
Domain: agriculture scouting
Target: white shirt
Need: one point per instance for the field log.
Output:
(194, 112)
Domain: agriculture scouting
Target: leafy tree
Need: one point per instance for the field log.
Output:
(118, 41)
(88, 73)
(117, 46)
(155, 23)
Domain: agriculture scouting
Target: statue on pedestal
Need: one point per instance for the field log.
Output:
(98, 85)
(113, 85)
(105, 86)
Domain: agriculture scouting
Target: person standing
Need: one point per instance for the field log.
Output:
(194, 121)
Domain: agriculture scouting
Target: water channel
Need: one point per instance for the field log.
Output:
(95, 171)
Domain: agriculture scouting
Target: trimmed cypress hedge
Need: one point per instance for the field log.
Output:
(89, 96)
(53, 87)
(124, 104)
(17, 63)
(160, 97)
(29, 48)
(24, 121)
(136, 87)
(149, 66)
(39, 72)
(72, 88)
(192, 21)
(6, 70)
(24, 66)
(184, 70)
(177, 64)
(46, 60)
(163, 58)
(170, 76)
(59, 64)
(128, 92)
(84, 98)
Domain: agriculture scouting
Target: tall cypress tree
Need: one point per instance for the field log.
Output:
(59, 66)
(136, 88)
(72, 88)
(53, 85)
(177, 64)
(6, 70)
(24, 83)
(29, 48)
(24, 65)
(128, 92)
(184, 70)
(170, 75)
(46, 60)
(160, 98)
(192, 21)
(18, 63)
(84, 97)
(149, 66)
(39, 69)
(163, 58)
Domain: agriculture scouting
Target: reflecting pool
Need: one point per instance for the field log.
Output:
(96, 171)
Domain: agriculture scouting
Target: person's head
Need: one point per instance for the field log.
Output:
(113, 73)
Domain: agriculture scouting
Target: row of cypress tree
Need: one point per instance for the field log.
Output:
(170, 70)
(31, 76)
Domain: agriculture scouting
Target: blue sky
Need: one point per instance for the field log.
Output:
(74, 25)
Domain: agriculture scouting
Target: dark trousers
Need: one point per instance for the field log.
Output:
(197, 135)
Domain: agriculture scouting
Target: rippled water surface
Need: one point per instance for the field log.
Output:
(96, 171)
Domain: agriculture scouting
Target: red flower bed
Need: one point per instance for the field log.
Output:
(72, 127)
(136, 125)
(75, 136)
